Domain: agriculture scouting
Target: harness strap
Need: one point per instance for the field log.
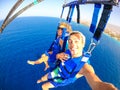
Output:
(68, 13)
(95, 17)
(64, 43)
(78, 13)
(71, 13)
(64, 31)
(103, 21)
(62, 12)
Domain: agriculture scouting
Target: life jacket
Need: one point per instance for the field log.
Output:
(55, 46)
(72, 66)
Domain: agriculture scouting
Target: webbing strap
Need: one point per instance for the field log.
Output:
(63, 33)
(64, 43)
(71, 13)
(78, 13)
(62, 12)
(95, 17)
(69, 18)
(68, 13)
(103, 21)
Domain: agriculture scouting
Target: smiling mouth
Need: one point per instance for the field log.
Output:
(73, 49)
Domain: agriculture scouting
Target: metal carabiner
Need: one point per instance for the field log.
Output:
(92, 45)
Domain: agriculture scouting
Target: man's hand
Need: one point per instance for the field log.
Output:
(62, 56)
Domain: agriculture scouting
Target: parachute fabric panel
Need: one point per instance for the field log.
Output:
(10, 13)
(18, 13)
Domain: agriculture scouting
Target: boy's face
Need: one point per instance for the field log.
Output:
(75, 45)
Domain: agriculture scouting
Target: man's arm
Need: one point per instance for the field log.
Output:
(93, 80)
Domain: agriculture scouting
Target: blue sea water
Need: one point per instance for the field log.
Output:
(27, 38)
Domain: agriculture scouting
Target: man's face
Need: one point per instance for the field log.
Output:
(59, 32)
(75, 45)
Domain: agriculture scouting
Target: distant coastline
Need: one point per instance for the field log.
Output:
(111, 30)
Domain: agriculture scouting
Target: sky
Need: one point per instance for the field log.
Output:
(53, 8)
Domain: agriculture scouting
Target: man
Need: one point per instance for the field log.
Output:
(63, 30)
(64, 74)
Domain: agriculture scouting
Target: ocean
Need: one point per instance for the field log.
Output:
(26, 38)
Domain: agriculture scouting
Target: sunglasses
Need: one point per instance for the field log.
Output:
(60, 28)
